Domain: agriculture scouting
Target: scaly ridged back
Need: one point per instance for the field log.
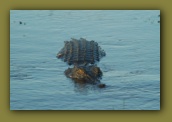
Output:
(81, 52)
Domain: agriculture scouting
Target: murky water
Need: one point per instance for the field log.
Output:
(131, 68)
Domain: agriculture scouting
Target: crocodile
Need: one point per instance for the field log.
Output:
(83, 55)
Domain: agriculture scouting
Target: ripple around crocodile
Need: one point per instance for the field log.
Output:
(83, 55)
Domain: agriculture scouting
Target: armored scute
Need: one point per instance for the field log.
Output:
(83, 55)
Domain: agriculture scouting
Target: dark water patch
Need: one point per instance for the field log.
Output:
(20, 76)
(137, 72)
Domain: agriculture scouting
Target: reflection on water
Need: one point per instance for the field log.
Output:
(85, 88)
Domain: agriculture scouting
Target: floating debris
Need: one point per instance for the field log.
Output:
(20, 22)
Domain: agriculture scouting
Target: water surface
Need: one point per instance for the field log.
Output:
(131, 68)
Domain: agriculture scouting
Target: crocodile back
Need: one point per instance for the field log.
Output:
(81, 52)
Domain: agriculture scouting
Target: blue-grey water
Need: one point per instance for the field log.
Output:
(131, 68)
